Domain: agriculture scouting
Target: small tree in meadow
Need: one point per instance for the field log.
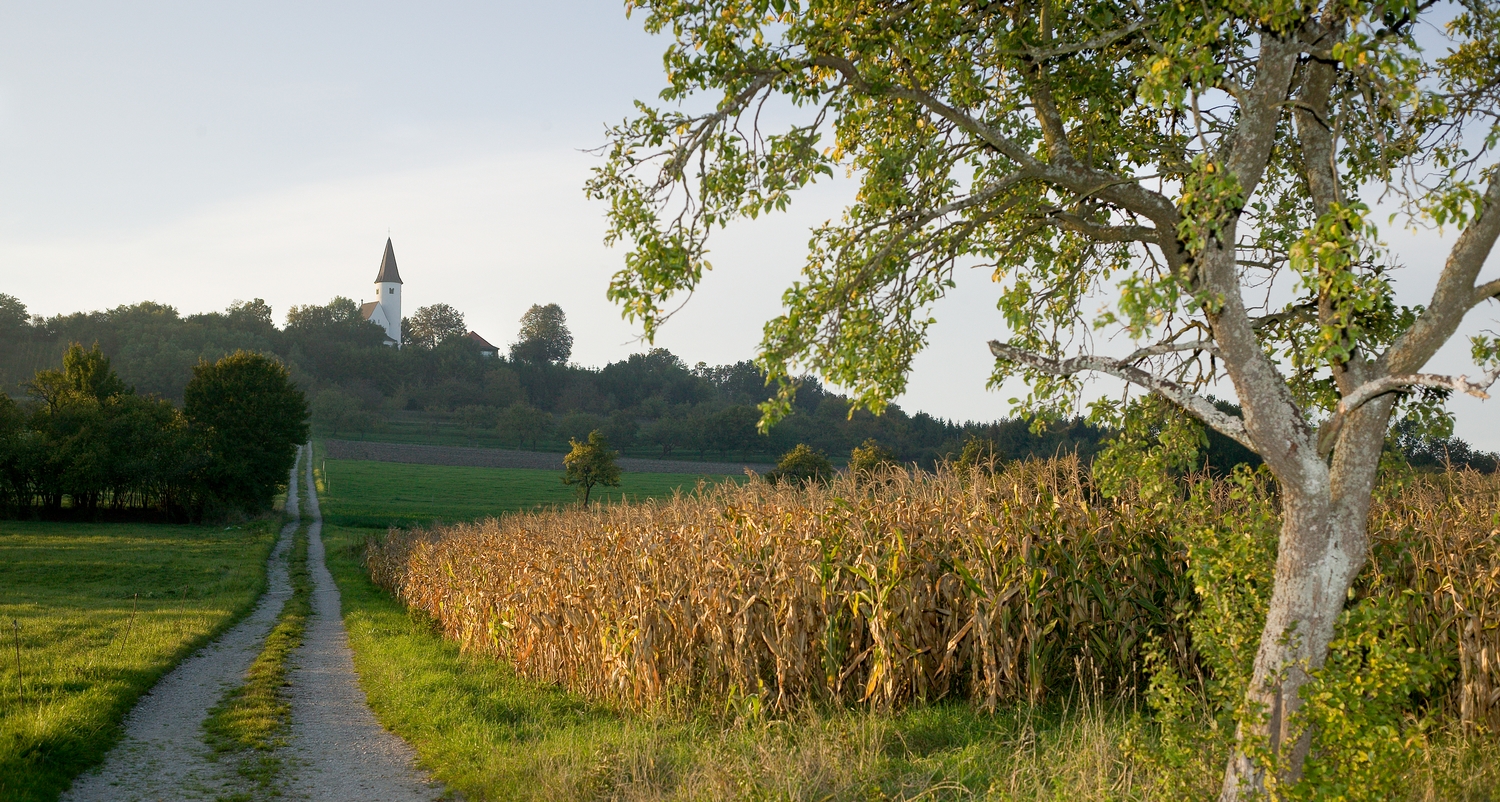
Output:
(590, 463)
(979, 454)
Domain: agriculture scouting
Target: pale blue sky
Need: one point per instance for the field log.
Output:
(197, 153)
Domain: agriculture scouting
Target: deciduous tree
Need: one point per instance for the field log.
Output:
(544, 338)
(251, 418)
(1190, 181)
(431, 326)
(590, 463)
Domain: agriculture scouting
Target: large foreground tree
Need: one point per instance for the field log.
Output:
(1174, 194)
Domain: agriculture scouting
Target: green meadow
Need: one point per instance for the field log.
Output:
(381, 494)
(91, 616)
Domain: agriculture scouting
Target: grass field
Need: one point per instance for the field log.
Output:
(94, 614)
(380, 494)
(250, 724)
(438, 429)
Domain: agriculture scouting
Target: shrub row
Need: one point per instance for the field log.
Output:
(87, 443)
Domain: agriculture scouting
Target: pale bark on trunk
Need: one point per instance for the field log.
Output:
(1324, 543)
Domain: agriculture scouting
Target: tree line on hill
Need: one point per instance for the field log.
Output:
(83, 443)
(532, 396)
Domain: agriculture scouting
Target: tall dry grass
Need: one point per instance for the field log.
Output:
(880, 592)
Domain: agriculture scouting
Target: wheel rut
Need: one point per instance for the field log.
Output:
(336, 750)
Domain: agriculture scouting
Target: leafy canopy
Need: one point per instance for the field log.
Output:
(251, 419)
(590, 463)
(434, 325)
(1091, 155)
(544, 338)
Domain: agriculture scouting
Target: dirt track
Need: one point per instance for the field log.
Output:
(162, 755)
(504, 458)
(337, 750)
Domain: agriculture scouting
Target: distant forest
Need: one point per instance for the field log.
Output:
(442, 387)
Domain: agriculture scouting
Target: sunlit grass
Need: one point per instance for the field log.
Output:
(100, 612)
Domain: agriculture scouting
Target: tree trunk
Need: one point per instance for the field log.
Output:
(1323, 546)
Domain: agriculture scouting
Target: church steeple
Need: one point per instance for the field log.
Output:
(388, 274)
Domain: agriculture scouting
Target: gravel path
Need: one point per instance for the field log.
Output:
(338, 750)
(505, 458)
(162, 756)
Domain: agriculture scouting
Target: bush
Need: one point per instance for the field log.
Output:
(871, 458)
(800, 466)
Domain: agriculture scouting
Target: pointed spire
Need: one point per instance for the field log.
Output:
(388, 272)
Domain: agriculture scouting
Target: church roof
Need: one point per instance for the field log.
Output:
(368, 308)
(388, 272)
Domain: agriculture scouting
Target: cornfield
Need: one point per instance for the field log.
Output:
(882, 591)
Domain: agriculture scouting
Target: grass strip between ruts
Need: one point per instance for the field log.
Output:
(251, 722)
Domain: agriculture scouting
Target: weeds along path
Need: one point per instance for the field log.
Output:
(338, 751)
(162, 755)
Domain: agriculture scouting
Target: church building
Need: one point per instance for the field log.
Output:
(386, 308)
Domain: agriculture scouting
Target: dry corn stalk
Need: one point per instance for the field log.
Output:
(994, 587)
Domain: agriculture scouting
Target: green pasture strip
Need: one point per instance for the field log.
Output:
(427, 430)
(101, 612)
(381, 494)
(252, 721)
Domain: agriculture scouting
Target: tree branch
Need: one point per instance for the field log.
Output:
(1455, 294)
(1371, 390)
(1098, 42)
(1485, 292)
(1194, 404)
(1105, 233)
(1170, 348)
(1291, 313)
(1124, 192)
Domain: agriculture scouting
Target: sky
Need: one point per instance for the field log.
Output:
(196, 154)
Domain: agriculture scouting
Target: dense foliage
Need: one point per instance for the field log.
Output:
(651, 403)
(249, 421)
(85, 442)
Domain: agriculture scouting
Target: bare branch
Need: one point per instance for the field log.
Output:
(1487, 291)
(1455, 293)
(1195, 405)
(1170, 348)
(1288, 315)
(1105, 233)
(1371, 390)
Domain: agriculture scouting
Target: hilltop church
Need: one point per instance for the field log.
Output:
(386, 308)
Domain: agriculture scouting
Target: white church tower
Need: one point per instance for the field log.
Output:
(386, 308)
